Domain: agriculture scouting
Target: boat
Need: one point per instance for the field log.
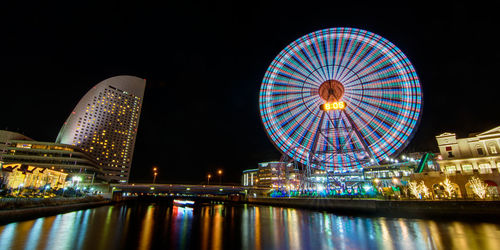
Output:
(185, 203)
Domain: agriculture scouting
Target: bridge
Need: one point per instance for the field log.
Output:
(176, 190)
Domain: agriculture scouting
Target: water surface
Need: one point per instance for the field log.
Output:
(159, 226)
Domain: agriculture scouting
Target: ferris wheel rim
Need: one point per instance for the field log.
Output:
(408, 66)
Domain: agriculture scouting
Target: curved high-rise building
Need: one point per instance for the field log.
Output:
(104, 124)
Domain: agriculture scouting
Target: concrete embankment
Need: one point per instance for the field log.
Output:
(7, 216)
(394, 208)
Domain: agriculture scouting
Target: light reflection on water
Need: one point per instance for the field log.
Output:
(151, 226)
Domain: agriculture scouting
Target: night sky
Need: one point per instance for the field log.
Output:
(204, 64)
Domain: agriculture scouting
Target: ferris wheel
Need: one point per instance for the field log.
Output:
(340, 99)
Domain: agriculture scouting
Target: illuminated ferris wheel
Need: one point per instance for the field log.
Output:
(340, 99)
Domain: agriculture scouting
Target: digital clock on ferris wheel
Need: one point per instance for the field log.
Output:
(331, 91)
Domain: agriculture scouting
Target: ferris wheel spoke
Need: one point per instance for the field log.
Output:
(356, 131)
(296, 67)
(381, 112)
(346, 74)
(346, 57)
(371, 64)
(306, 59)
(356, 55)
(291, 132)
(312, 144)
(310, 74)
(360, 61)
(291, 114)
(380, 74)
(363, 135)
(314, 56)
(300, 65)
(323, 54)
(286, 78)
(385, 103)
(368, 119)
(287, 101)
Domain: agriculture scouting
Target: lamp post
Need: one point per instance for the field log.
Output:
(219, 172)
(45, 189)
(155, 173)
(19, 188)
(208, 179)
(76, 179)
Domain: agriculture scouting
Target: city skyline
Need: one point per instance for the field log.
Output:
(204, 73)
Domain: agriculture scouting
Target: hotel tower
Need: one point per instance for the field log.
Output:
(104, 124)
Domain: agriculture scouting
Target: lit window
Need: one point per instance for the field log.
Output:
(493, 150)
(451, 169)
(467, 168)
(484, 168)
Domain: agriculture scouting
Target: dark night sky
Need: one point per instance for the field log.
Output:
(204, 65)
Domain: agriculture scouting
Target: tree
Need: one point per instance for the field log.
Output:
(478, 187)
(449, 187)
(414, 190)
(422, 188)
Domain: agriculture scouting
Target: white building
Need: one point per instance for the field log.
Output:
(104, 124)
(476, 153)
(250, 177)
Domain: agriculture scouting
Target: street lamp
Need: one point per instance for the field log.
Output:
(395, 180)
(19, 188)
(208, 179)
(155, 173)
(76, 179)
(219, 172)
(45, 189)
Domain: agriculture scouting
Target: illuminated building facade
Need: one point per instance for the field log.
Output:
(394, 174)
(250, 177)
(18, 175)
(104, 124)
(477, 153)
(278, 174)
(461, 159)
(42, 162)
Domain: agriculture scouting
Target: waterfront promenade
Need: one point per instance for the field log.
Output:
(17, 209)
(392, 208)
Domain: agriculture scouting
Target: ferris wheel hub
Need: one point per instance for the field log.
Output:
(331, 91)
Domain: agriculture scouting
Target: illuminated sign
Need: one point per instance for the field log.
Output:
(332, 106)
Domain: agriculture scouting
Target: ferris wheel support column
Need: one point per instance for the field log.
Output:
(361, 139)
(285, 158)
(306, 176)
(337, 150)
(313, 149)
